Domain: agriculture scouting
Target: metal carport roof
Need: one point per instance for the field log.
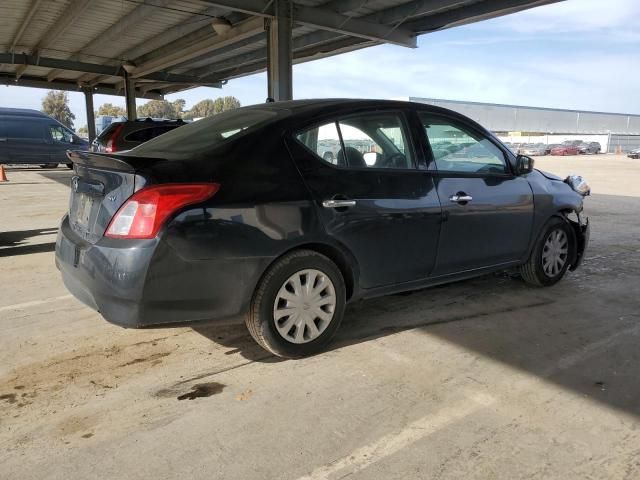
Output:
(170, 45)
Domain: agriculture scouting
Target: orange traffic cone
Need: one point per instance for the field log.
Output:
(3, 176)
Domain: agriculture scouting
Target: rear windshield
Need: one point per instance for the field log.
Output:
(203, 135)
(146, 134)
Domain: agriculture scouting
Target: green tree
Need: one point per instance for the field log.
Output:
(83, 131)
(204, 108)
(157, 109)
(178, 107)
(111, 110)
(56, 105)
(208, 107)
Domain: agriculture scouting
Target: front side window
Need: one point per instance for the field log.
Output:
(458, 149)
(363, 141)
(59, 134)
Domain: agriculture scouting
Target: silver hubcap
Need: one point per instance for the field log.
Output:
(304, 306)
(555, 252)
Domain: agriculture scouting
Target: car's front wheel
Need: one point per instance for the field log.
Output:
(298, 305)
(550, 258)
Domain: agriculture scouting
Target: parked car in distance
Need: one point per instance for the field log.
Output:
(536, 149)
(32, 137)
(241, 214)
(119, 136)
(565, 150)
(589, 148)
(635, 154)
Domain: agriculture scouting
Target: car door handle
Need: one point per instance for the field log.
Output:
(460, 198)
(338, 203)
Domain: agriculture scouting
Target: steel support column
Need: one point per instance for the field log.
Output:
(91, 121)
(130, 95)
(279, 47)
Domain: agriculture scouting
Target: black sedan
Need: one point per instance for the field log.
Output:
(244, 213)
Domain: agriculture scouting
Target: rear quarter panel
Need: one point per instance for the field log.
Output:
(261, 211)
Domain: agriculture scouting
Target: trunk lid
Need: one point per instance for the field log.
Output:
(101, 184)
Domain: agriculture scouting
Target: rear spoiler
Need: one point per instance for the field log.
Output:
(110, 161)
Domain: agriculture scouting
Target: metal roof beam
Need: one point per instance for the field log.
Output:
(399, 13)
(391, 15)
(472, 13)
(25, 23)
(178, 35)
(343, 45)
(35, 82)
(60, 64)
(260, 54)
(261, 8)
(327, 19)
(239, 32)
(335, 22)
(128, 21)
(62, 23)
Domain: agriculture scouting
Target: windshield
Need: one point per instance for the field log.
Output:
(203, 135)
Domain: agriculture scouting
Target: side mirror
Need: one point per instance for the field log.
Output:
(524, 165)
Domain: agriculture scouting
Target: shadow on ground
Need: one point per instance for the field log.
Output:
(19, 242)
(61, 176)
(582, 334)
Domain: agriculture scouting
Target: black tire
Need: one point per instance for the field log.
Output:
(260, 319)
(70, 166)
(533, 271)
(49, 165)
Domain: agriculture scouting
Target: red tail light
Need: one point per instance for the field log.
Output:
(144, 213)
(110, 147)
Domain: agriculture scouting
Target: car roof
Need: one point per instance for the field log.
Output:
(22, 112)
(310, 108)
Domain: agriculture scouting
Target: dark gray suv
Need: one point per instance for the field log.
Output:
(31, 137)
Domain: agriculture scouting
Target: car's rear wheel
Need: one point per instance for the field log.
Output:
(298, 305)
(49, 165)
(70, 166)
(551, 256)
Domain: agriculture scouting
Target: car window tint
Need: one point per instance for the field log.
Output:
(374, 140)
(141, 135)
(370, 141)
(59, 134)
(323, 140)
(205, 135)
(22, 129)
(458, 149)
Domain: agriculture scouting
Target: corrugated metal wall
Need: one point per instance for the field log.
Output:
(511, 118)
(625, 143)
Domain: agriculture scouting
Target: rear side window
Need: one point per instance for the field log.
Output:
(22, 128)
(373, 140)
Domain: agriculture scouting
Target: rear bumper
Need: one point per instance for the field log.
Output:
(146, 282)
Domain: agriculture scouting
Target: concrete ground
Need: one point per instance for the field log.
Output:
(484, 379)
